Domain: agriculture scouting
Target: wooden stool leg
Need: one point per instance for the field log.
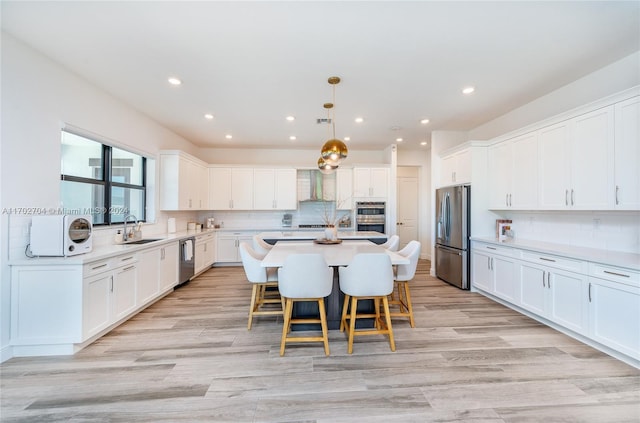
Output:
(343, 319)
(409, 306)
(254, 293)
(323, 323)
(352, 323)
(287, 323)
(387, 315)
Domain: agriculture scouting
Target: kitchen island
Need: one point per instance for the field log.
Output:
(293, 235)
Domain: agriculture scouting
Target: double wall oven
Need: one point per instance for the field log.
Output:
(370, 216)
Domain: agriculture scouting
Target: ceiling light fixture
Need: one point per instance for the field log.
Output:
(174, 81)
(423, 143)
(399, 139)
(208, 116)
(292, 138)
(359, 120)
(334, 150)
(468, 90)
(228, 136)
(325, 167)
(290, 118)
(424, 121)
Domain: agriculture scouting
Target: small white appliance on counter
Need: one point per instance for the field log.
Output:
(60, 235)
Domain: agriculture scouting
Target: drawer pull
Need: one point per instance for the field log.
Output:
(98, 267)
(491, 248)
(128, 268)
(617, 274)
(126, 258)
(546, 259)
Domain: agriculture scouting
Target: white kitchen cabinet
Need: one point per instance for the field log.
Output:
(553, 288)
(371, 182)
(576, 162)
(493, 271)
(205, 252)
(183, 182)
(228, 243)
(627, 155)
(344, 189)
(149, 274)
(614, 308)
(169, 266)
(56, 308)
(513, 173)
(230, 188)
(455, 168)
(275, 189)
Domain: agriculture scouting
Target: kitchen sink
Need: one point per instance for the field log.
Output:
(143, 241)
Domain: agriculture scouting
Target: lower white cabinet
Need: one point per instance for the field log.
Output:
(596, 302)
(58, 308)
(205, 251)
(228, 243)
(614, 308)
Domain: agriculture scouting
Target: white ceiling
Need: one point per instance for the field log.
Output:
(253, 63)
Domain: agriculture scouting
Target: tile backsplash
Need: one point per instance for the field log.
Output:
(612, 231)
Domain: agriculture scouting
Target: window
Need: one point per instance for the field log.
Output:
(104, 181)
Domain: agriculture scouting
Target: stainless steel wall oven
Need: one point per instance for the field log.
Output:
(370, 216)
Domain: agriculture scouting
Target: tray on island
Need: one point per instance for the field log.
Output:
(327, 241)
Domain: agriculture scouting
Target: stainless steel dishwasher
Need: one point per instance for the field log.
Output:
(187, 253)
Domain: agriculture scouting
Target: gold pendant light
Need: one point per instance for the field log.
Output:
(334, 150)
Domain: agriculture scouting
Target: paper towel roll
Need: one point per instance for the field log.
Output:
(171, 225)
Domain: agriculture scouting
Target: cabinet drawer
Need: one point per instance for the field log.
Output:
(494, 249)
(204, 237)
(616, 274)
(557, 262)
(97, 267)
(124, 260)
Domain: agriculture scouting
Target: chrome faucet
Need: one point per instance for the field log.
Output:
(125, 235)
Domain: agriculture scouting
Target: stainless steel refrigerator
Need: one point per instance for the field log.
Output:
(452, 235)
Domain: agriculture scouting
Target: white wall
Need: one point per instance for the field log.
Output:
(38, 97)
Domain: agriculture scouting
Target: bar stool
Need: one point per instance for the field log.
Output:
(368, 276)
(304, 277)
(265, 284)
(392, 243)
(260, 245)
(404, 274)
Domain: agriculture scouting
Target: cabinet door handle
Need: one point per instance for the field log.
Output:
(566, 197)
(616, 274)
(506, 200)
(589, 291)
(544, 273)
(548, 279)
(489, 263)
(510, 203)
(546, 259)
(111, 284)
(454, 176)
(162, 254)
(617, 190)
(572, 202)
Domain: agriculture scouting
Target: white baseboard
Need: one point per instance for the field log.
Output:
(6, 353)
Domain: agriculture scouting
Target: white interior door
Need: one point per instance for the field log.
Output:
(407, 223)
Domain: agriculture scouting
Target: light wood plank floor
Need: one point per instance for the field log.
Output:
(190, 358)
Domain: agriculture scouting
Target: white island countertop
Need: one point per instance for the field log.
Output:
(310, 235)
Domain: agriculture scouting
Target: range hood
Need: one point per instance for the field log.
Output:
(313, 185)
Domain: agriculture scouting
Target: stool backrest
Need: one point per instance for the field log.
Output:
(392, 243)
(251, 263)
(406, 272)
(260, 245)
(368, 274)
(305, 276)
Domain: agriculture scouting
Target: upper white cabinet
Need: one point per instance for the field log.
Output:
(274, 189)
(576, 163)
(627, 155)
(183, 182)
(456, 168)
(371, 182)
(344, 189)
(230, 188)
(513, 173)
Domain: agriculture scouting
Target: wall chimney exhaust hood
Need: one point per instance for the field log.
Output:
(313, 185)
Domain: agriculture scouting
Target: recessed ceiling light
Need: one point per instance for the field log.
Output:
(208, 116)
(174, 81)
(468, 90)
(399, 139)
(291, 118)
(228, 136)
(359, 120)
(292, 138)
(424, 121)
(347, 138)
(423, 143)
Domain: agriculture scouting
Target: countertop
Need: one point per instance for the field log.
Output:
(309, 235)
(107, 251)
(612, 258)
